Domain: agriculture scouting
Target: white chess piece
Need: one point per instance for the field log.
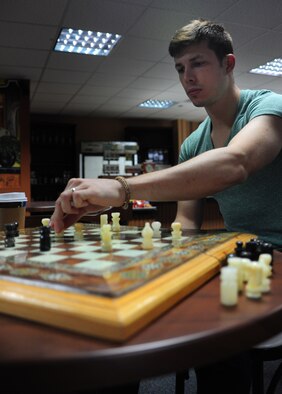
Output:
(237, 263)
(266, 259)
(147, 234)
(176, 233)
(45, 222)
(103, 220)
(106, 238)
(255, 277)
(115, 220)
(156, 229)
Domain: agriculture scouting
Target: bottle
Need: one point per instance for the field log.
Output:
(228, 286)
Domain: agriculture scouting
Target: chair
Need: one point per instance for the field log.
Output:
(269, 350)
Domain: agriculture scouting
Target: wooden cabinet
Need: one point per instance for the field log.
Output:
(14, 136)
(53, 159)
(155, 143)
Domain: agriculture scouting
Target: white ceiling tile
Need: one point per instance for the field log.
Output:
(141, 48)
(201, 8)
(158, 84)
(106, 91)
(137, 94)
(48, 97)
(102, 15)
(57, 88)
(125, 66)
(22, 57)
(64, 76)
(8, 71)
(159, 24)
(259, 13)
(81, 99)
(162, 70)
(110, 79)
(21, 35)
(47, 12)
(74, 61)
(252, 81)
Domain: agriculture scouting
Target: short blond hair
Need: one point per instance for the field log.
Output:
(200, 30)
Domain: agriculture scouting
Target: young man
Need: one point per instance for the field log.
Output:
(235, 155)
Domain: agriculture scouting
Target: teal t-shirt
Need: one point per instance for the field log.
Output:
(254, 206)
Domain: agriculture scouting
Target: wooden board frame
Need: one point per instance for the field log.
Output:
(118, 318)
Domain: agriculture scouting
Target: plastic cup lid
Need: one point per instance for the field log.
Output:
(12, 197)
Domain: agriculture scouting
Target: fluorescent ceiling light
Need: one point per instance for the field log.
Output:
(273, 68)
(162, 104)
(86, 42)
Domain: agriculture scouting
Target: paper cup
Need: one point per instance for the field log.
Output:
(12, 209)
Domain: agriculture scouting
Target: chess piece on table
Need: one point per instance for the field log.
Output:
(266, 260)
(229, 286)
(176, 233)
(255, 278)
(78, 231)
(147, 235)
(106, 238)
(156, 229)
(115, 221)
(45, 222)
(45, 239)
(11, 231)
(103, 220)
(238, 264)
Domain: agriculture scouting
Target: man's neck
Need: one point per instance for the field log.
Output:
(224, 111)
(223, 114)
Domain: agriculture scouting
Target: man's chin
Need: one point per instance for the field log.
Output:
(198, 104)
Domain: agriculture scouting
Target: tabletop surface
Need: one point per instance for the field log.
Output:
(197, 331)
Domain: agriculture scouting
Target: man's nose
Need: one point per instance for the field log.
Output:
(188, 76)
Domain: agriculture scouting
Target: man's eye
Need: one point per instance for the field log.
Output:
(180, 70)
(197, 64)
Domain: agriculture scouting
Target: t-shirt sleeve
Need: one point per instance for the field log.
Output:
(268, 104)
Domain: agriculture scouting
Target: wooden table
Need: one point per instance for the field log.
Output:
(196, 331)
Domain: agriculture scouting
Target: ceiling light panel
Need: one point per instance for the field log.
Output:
(161, 104)
(273, 68)
(86, 42)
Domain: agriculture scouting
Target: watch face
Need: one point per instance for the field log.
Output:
(149, 167)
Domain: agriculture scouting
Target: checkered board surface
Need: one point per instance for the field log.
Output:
(77, 263)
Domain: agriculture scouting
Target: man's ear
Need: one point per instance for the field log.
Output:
(230, 62)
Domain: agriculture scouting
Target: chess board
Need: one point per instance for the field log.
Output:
(79, 287)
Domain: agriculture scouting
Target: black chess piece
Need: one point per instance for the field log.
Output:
(45, 239)
(252, 246)
(239, 248)
(10, 231)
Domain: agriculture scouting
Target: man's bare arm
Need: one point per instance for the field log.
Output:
(190, 214)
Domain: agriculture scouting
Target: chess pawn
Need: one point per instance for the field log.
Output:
(176, 233)
(237, 263)
(156, 229)
(147, 234)
(45, 239)
(266, 260)
(229, 286)
(78, 231)
(106, 238)
(255, 278)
